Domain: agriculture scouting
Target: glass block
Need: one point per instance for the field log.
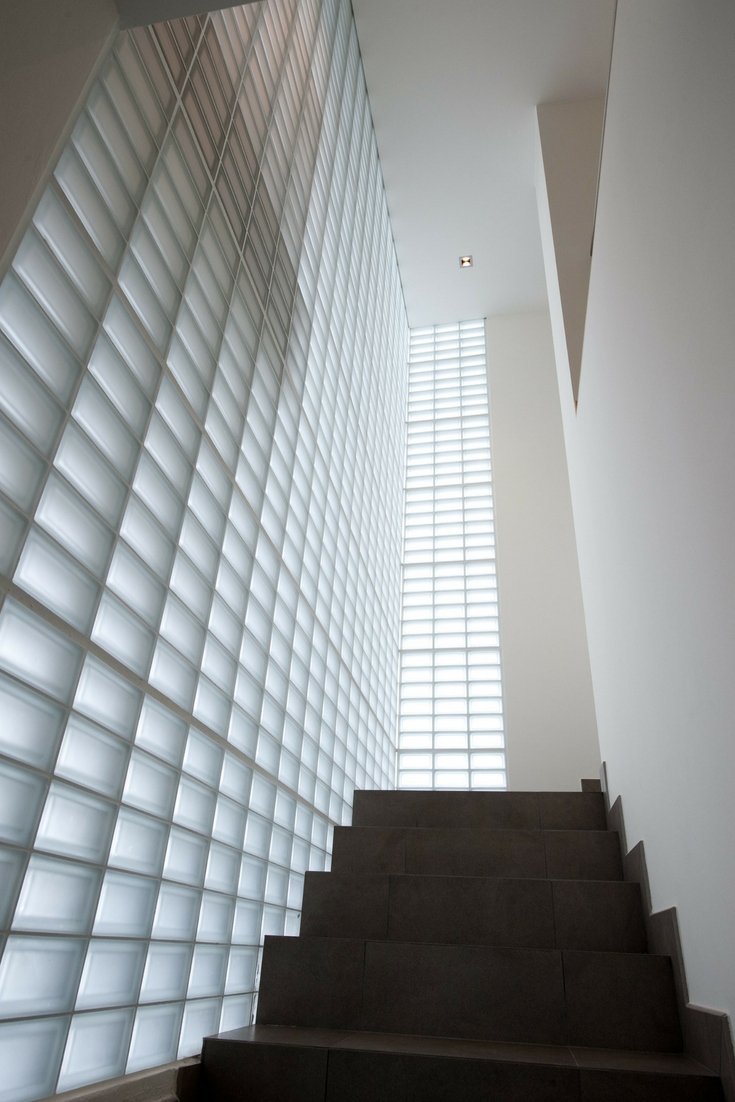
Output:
(12, 529)
(120, 632)
(57, 897)
(11, 873)
(276, 886)
(65, 514)
(94, 478)
(215, 917)
(146, 536)
(173, 675)
(236, 1012)
(126, 906)
(138, 586)
(208, 970)
(30, 1053)
(223, 868)
(229, 822)
(274, 921)
(21, 794)
(211, 706)
(107, 697)
(38, 653)
(92, 757)
(102, 424)
(132, 346)
(243, 732)
(166, 974)
(241, 969)
(201, 1019)
(32, 724)
(150, 785)
(247, 924)
(96, 1048)
(39, 975)
(203, 757)
(111, 974)
(186, 857)
(176, 913)
(161, 732)
(155, 1036)
(257, 835)
(36, 338)
(139, 842)
(194, 805)
(75, 824)
(236, 779)
(26, 401)
(113, 376)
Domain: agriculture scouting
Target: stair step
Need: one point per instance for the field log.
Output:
(488, 810)
(502, 912)
(617, 1000)
(463, 851)
(286, 1064)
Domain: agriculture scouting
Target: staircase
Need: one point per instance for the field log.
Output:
(468, 946)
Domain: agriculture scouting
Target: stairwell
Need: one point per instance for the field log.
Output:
(469, 946)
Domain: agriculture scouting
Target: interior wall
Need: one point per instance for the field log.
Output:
(547, 688)
(652, 456)
(49, 51)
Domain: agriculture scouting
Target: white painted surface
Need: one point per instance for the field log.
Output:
(652, 465)
(549, 708)
(568, 152)
(453, 90)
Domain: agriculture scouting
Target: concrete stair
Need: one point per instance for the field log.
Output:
(469, 946)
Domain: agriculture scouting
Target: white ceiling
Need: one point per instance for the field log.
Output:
(453, 85)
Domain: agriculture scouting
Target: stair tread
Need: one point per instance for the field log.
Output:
(663, 1063)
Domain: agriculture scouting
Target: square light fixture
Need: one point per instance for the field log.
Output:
(465, 261)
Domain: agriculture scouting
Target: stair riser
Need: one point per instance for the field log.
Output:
(533, 914)
(232, 1072)
(487, 810)
(559, 855)
(612, 1000)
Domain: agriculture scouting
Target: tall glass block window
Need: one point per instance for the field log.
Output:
(202, 393)
(450, 711)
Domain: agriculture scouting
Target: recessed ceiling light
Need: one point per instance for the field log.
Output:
(465, 261)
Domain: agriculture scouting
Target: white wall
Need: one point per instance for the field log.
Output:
(652, 464)
(549, 709)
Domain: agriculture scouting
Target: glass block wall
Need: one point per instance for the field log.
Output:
(203, 351)
(450, 711)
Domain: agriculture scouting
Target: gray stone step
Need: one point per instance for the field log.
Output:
(487, 810)
(611, 1000)
(511, 913)
(438, 851)
(276, 1064)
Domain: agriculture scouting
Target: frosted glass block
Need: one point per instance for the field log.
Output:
(131, 579)
(488, 780)
(26, 401)
(155, 1036)
(203, 757)
(172, 674)
(194, 805)
(75, 824)
(166, 974)
(21, 468)
(21, 793)
(236, 1012)
(276, 886)
(243, 732)
(93, 477)
(236, 779)
(72, 252)
(139, 843)
(31, 726)
(248, 921)
(211, 706)
(39, 975)
(199, 547)
(57, 897)
(125, 906)
(229, 822)
(292, 926)
(101, 422)
(181, 628)
(63, 513)
(208, 970)
(241, 969)
(145, 535)
(263, 796)
(295, 890)
(37, 652)
(11, 872)
(153, 488)
(215, 917)
(120, 632)
(223, 868)
(257, 835)
(91, 757)
(274, 921)
(253, 874)
(106, 696)
(36, 338)
(150, 785)
(96, 1048)
(132, 345)
(111, 974)
(30, 1054)
(186, 857)
(176, 913)
(201, 1019)
(12, 529)
(191, 587)
(161, 732)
